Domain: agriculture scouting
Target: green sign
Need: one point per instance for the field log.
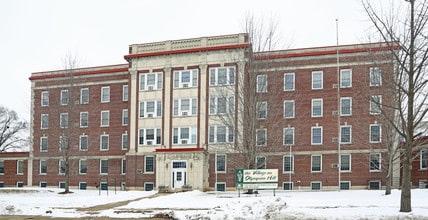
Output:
(256, 179)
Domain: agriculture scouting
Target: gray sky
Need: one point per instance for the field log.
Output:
(36, 35)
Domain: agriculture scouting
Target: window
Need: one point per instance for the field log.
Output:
(150, 109)
(149, 164)
(316, 135)
(289, 136)
(287, 185)
(345, 134)
(125, 93)
(220, 134)
(375, 76)
(316, 163)
(345, 162)
(375, 133)
(184, 135)
(83, 185)
(124, 141)
(149, 186)
(83, 166)
(185, 78)
(44, 98)
(64, 97)
(375, 162)
(289, 82)
(150, 136)
(63, 143)
(43, 184)
(185, 107)
(44, 121)
(43, 167)
(345, 78)
(375, 104)
(104, 166)
(261, 84)
(345, 106)
(61, 167)
(222, 76)
(105, 118)
(423, 159)
(1, 167)
(261, 137)
(84, 119)
(261, 110)
(104, 142)
(222, 105)
(316, 185)
(43, 144)
(221, 163)
(288, 164)
(105, 94)
(317, 108)
(123, 166)
(19, 184)
(125, 117)
(317, 80)
(63, 120)
(289, 109)
(20, 167)
(345, 185)
(84, 96)
(261, 162)
(221, 187)
(83, 142)
(151, 81)
(374, 184)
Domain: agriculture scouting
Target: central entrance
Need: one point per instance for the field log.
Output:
(179, 173)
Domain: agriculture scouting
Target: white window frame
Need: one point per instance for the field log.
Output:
(345, 182)
(341, 163)
(264, 130)
(375, 108)
(44, 98)
(80, 166)
(43, 140)
(345, 74)
(350, 134)
(260, 162)
(81, 142)
(315, 82)
(370, 133)
(105, 118)
(316, 182)
(178, 107)
(284, 162)
(61, 164)
(64, 97)
(125, 146)
(158, 81)
(285, 133)
(214, 76)
(312, 135)
(290, 184)
(379, 157)
(41, 164)
(105, 94)
(217, 184)
(82, 124)
(229, 107)
(82, 97)
(101, 142)
(123, 167)
(193, 78)
(423, 159)
(293, 76)
(157, 110)
(20, 167)
(342, 99)
(375, 76)
(312, 163)
(1, 168)
(213, 134)
(259, 87)
(293, 109)
(44, 118)
(101, 167)
(146, 164)
(125, 118)
(63, 120)
(262, 107)
(224, 161)
(314, 102)
(177, 132)
(157, 132)
(125, 93)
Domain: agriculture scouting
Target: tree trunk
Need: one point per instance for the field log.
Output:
(389, 180)
(406, 200)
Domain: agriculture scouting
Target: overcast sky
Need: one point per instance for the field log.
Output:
(36, 35)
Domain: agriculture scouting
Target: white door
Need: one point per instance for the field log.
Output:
(179, 174)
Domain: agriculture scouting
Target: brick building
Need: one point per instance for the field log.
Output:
(154, 122)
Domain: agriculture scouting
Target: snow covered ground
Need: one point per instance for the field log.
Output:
(358, 204)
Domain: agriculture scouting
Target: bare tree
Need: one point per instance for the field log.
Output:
(12, 136)
(407, 27)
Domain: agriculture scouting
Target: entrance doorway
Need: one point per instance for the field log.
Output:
(179, 174)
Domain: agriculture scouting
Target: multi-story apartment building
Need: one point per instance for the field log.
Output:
(158, 121)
